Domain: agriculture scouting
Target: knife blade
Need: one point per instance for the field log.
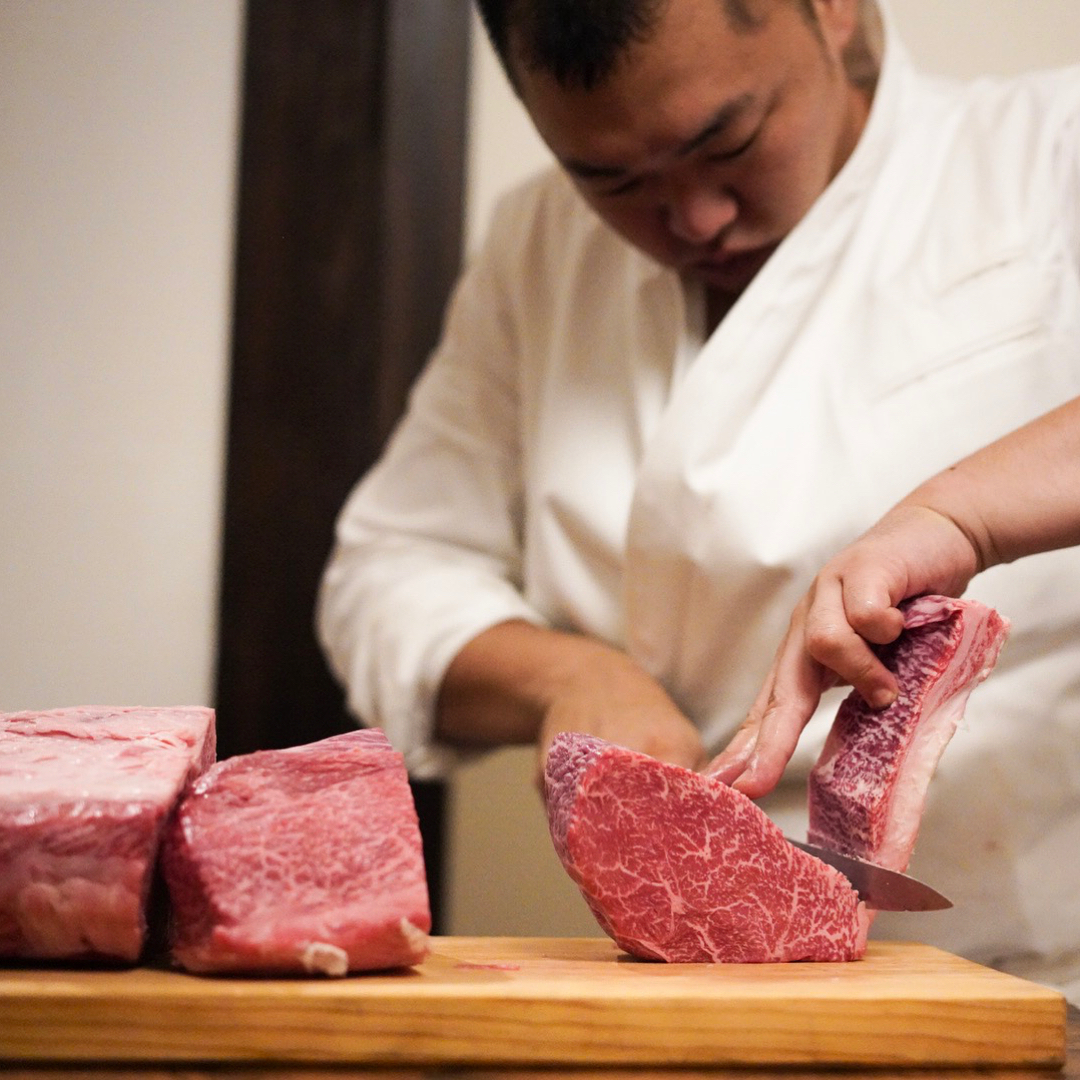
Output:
(878, 888)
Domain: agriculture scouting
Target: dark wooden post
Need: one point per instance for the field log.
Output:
(350, 195)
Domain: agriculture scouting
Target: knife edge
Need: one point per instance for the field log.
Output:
(879, 888)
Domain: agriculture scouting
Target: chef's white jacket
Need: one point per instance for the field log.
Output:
(578, 455)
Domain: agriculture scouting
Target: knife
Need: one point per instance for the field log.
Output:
(878, 888)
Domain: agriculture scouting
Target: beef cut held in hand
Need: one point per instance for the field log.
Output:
(868, 789)
(677, 866)
(306, 860)
(84, 796)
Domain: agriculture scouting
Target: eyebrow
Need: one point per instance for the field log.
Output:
(726, 115)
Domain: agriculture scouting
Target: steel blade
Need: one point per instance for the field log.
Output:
(878, 888)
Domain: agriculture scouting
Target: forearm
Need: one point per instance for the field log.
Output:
(521, 683)
(499, 686)
(1018, 496)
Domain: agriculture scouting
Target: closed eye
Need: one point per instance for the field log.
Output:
(633, 183)
(734, 152)
(627, 186)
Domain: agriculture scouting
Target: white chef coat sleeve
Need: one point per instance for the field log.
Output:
(427, 548)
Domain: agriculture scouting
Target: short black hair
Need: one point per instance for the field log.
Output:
(579, 42)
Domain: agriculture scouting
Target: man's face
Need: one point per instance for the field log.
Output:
(706, 146)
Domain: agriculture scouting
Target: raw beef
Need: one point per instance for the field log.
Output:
(869, 787)
(84, 796)
(678, 866)
(305, 860)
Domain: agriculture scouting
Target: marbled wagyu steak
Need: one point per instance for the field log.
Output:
(306, 860)
(677, 866)
(84, 796)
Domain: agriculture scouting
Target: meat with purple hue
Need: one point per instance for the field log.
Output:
(868, 789)
(84, 796)
(678, 866)
(304, 860)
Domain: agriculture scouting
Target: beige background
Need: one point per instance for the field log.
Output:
(118, 122)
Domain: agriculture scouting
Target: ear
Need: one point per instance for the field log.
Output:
(838, 21)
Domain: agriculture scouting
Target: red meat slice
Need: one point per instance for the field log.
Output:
(868, 789)
(84, 796)
(305, 860)
(678, 866)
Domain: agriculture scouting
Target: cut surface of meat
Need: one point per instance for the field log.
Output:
(303, 860)
(869, 787)
(84, 796)
(678, 866)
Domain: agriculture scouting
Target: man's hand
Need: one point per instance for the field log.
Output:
(851, 605)
(517, 683)
(615, 700)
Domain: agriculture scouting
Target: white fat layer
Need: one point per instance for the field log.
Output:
(322, 958)
(416, 938)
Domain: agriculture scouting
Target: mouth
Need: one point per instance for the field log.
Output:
(731, 267)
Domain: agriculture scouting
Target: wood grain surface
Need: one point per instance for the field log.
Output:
(547, 1002)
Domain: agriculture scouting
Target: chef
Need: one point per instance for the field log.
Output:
(776, 278)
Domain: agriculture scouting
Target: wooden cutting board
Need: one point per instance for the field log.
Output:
(547, 1001)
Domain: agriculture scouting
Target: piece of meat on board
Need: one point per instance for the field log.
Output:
(678, 866)
(869, 787)
(303, 860)
(84, 796)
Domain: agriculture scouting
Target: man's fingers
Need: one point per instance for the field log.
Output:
(874, 683)
(729, 764)
(767, 764)
(841, 647)
(779, 714)
(855, 663)
(794, 697)
(872, 616)
(826, 645)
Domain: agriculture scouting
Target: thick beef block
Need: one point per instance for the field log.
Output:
(84, 796)
(305, 860)
(869, 787)
(677, 866)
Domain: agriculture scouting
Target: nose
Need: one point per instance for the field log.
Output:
(697, 214)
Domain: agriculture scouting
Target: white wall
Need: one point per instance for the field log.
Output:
(975, 37)
(118, 123)
(505, 878)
